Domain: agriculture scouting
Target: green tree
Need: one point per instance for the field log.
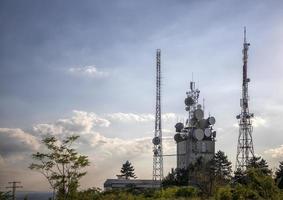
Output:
(61, 165)
(177, 177)
(239, 177)
(6, 196)
(222, 168)
(259, 163)
(127, 170)
(279, 175)
(256, 184)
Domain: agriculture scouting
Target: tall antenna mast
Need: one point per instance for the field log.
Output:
(157, 140)
(245, 149)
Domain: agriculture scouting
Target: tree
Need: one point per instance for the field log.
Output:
(221, 167)
(279, 175)
(62, 166)
(177, 177)
(239, 177)
(259, 163)
(5, 195)
(127, 170)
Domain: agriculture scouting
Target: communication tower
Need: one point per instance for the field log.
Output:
(245, 149)
(196, 138)
(157, 140)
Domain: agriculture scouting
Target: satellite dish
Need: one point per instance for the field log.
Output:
(178, 137)
(198, 134)
(189, 101)
(207, 132)
(155, 151)
(203, 123)
(179, 126)
(211, 120)
(214, 133)
(198, 114)
(156, 140)
(198, 106)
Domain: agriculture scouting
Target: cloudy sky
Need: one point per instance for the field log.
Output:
(87, 68)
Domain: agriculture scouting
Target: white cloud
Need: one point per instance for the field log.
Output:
(110, 148)
(80, 122)
(131, 117)
(256, 122)
(91, 71)
(259, 122)
(16, 141)
(275, 152)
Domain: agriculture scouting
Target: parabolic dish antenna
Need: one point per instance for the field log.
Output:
(198, 114)
(179, 126)
(189, 101)
(178, 137)
(198, 134)
(156, 140)
(207, 132)
(211, 120)
(203, 123)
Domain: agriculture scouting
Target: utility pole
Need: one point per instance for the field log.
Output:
(245, 149)
(14, 187)
(157, 140)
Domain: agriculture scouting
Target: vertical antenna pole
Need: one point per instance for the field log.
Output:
(157, 140)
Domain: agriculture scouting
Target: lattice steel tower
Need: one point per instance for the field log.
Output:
(245, 149)
(157, 140)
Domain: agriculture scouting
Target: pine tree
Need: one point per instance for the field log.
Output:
(279, 175)
(127, 170)
(259, 163)
(222, 167)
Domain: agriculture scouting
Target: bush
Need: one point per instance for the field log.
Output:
(187, 192)
(223, 193)
(243, 192)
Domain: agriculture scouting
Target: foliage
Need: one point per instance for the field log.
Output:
(239, 177)
(5, 195)
(279, 175)
(259, 163)
(244, 192)
(187, 192)
(89, 194)
(127, 170)
(62, 166)
(223, 193)
(263, 184)
(145, 194)
(222, 168)
(255, 184)
(177, 177)
(201, 174)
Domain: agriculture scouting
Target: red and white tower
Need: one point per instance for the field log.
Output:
(245, 149)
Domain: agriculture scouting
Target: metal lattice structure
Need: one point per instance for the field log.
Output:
(157, 140)
(245, 149)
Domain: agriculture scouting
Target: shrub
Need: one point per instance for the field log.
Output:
(223, 193)
(187, 192)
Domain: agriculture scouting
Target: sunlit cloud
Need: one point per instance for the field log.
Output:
(275, 152)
